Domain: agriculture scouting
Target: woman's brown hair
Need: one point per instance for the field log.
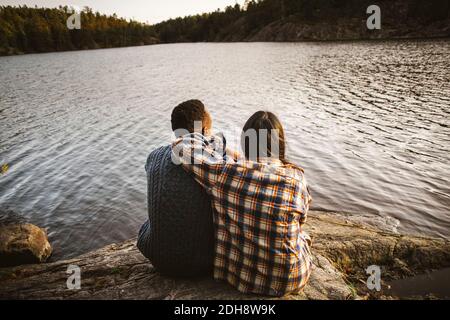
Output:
(264, 125)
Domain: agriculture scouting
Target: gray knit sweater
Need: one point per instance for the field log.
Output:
(178, 237)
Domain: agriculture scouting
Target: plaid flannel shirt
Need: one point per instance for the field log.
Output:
(259, 208)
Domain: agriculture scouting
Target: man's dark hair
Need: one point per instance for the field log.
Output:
(184, 115)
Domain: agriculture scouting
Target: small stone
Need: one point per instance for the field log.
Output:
(23, 243)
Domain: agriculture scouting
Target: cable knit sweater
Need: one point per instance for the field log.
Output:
(178, 237)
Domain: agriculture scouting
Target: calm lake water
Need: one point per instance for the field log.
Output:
(369, 122)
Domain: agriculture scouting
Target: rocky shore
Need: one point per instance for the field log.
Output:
(343, 249)
(23, 243)
(347, 30)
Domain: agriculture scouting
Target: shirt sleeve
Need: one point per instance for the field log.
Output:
(203, 157)
(303, 199)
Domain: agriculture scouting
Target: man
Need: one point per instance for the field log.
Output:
(178, 237)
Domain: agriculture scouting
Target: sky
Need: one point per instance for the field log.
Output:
(151, 11)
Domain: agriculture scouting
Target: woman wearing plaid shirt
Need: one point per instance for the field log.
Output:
(260, 204)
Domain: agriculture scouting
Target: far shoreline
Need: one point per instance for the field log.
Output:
(309, 41)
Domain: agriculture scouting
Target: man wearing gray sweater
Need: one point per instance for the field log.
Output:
(178, 237)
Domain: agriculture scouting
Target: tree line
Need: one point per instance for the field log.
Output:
(28, 30)
(240, 23)
(24, 29)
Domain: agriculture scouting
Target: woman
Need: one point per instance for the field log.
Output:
(260, 204)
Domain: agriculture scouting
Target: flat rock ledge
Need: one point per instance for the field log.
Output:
(343, 249)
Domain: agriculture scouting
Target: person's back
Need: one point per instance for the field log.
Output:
(260, 205)
(178, 238)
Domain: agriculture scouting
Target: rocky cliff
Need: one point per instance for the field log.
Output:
(343, 249)
(350, 29)
(304, 20)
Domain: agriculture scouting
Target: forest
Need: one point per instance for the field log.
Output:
(28, 30)
(242, 23)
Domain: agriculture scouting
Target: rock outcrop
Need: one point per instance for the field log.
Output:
(346, 29)
(343, 249)
(23, 243)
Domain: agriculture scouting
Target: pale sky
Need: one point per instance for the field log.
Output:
(141, 10)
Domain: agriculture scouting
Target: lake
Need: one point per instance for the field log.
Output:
(368, 121)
